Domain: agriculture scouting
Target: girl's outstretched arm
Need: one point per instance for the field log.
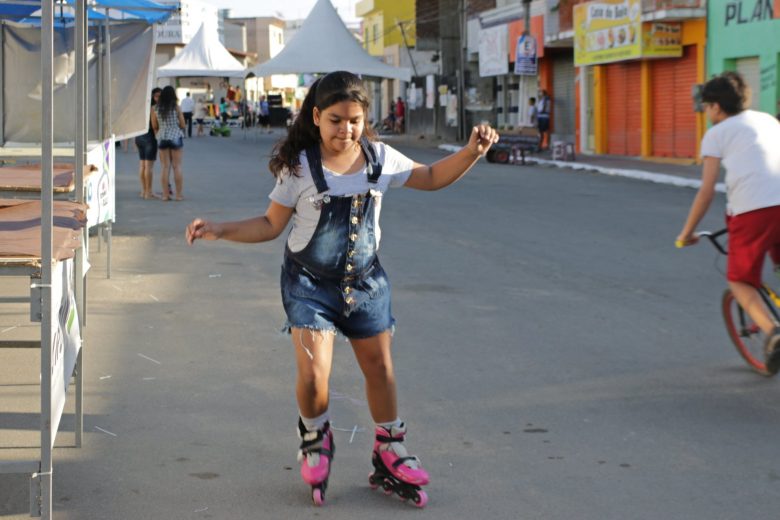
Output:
(253, 230)
(448, 170)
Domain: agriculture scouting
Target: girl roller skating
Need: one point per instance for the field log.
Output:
(331, 179)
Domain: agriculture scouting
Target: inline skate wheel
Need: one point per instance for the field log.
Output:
(387, 487)
(421, 499)
(317, 497)
(372, 482)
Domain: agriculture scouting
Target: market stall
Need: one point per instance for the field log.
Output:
(67, 60)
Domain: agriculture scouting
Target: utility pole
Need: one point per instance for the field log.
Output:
(527, 84)
(462, 133)
(408, 111)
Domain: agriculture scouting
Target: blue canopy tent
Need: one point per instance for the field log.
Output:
(142, 10)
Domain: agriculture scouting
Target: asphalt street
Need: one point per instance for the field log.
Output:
(557, 358)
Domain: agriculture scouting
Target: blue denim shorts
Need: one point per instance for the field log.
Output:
(174, 144)
(316, 303)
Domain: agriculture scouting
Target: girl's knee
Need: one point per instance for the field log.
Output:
(378, 367)
(314, 381)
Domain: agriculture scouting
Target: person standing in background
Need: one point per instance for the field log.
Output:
(168, 121)
(200, 115)
(400, 112)
(533, 113)
(264, 114)
(187, 107)
(147, 153)
(543, 119)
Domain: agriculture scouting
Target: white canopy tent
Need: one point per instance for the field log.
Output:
(204, 56)
(323, 44)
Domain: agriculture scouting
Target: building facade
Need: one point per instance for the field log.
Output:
(744, 36)
(388, 31)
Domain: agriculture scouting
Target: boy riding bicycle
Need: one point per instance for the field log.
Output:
(747, 142)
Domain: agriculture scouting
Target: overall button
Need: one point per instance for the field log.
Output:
(356, 203)
(353, 237)
(349, 301)
(349, 268)
(351, 253)
(355, 220)
(347, 290)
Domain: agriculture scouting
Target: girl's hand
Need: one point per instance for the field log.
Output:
(481, 138)
(204, 229)
(686, 239)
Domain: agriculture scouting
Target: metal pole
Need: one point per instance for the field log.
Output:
(79, 157)
(109, 129)
(462, 133)
(47, 165)
(526, 84)
(2, 84)
(107, 85)
(99, 63)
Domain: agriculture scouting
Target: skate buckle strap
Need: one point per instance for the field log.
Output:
(401, 460)
(311, 441)
(390, 438)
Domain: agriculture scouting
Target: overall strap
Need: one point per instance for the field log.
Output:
(373, 166)
(315, 167)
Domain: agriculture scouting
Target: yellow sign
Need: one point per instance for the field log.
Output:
(662, 40)
(612, 30)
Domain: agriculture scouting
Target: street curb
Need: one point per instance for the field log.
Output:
(658, 178)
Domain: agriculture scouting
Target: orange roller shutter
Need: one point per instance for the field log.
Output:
(674, 121)
(684, 116)
(634, 108)
(663, 95)
(624, 115)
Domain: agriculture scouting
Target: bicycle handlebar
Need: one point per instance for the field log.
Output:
(712, 237)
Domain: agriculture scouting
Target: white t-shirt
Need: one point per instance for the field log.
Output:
(299, 192)
(748, 145)
(187, 104)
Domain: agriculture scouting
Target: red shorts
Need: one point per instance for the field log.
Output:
(751, 236)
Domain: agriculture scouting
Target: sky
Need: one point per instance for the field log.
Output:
(288, 9)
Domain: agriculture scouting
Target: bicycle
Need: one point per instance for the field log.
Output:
(744, 333)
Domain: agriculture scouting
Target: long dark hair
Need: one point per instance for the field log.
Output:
(324, 92)
(167, 101)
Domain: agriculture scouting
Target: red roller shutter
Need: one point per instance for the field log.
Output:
(634, 107)
(624, 115)
(673, 120)
(684, 115)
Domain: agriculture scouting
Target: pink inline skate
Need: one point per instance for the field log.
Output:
(316, 455)
(395, 470)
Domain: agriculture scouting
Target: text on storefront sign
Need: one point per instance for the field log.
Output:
(761, 10)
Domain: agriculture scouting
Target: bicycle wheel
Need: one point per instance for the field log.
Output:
(744, 333)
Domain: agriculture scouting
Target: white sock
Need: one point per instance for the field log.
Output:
(392, 424)
(316, 423)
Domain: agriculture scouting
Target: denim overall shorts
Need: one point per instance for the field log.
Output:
(336, 282)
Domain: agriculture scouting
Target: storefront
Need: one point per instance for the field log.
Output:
(636, 81)
(745, 37)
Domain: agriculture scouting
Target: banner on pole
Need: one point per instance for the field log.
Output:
(65, 338)
(525, 58)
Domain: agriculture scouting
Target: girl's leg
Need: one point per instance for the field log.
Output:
(165, 163)
(149, 179)
(373, 356)
(178, 178)
(142, 176)
(389, 455)
(314, 358)
(751, 301)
